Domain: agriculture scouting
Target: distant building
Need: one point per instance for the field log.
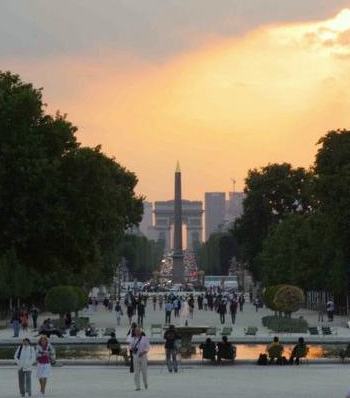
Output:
(146, 224)
(215, 209)
(234, 206)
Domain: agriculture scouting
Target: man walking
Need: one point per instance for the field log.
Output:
(241, 302)
(35, 313)
(168, 308)
(139, 348)
(233, 310)
(330, 310)
(140, 313)
(222, 311)
(25, 358)
(170, 337)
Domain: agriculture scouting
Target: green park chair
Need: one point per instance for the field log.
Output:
(211, 331)
(250, 331)
(226, 331)
(313, 330)
(156, 329)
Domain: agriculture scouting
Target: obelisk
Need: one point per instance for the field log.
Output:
(178, 257)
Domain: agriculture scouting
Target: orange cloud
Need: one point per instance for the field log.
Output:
(227, 107)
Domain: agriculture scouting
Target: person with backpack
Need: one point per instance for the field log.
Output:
(45, 356)
(25, 358)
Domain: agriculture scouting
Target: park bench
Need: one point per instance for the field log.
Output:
(156, 329)
(327, 331)
(250, 331)
(226, 331)
(211, 331)
(108, 331)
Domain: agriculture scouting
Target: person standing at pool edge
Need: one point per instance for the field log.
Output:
(25, 358)
(139, 347)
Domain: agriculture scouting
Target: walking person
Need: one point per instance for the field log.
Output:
(24, 318)
(233, 310)
(168, 308)
(160, 301)
(320, 311)
(205, 303)
(330, 310)
(170, 337)
(15, 322)
(241, 301)
(222, 311)
(35, 314)
(25, 358)
(140, 313)
(118, 312)
(140, 347)
(45, 355)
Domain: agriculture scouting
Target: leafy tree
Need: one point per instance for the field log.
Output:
(271, 194)
(64, 208)
(142, 256)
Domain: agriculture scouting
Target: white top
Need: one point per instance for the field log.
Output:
(27, 357)
(142, 345)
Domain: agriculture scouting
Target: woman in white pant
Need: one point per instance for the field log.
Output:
(140, 347)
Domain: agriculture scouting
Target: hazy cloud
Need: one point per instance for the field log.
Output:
(149, 28)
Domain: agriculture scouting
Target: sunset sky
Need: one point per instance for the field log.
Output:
(222, 86)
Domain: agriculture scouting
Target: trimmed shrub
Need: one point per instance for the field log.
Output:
(288, 299)
(284, 298)
(82, 299)
(269, 295)
(61, 299)
(285, 325)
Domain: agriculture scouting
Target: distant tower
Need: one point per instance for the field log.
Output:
(178, 257)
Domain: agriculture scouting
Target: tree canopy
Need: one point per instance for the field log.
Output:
(64, 207)
(296, 224)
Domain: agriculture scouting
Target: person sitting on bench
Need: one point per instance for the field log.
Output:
(115, 348)
(225, 350)
(299, 351)
(275, 351)
(209, 349)
(47, 329)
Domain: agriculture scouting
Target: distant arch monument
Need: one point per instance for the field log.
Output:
(192, 215)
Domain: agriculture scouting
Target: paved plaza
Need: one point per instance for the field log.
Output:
(249, 317)
(250, 381)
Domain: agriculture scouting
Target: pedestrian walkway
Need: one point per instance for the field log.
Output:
(309, 381)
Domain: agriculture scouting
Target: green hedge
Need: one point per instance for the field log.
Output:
(285, 325)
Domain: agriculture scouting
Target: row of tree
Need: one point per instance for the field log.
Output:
(295, 227)
(142, 255)
(64, 207)
(215, 255)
